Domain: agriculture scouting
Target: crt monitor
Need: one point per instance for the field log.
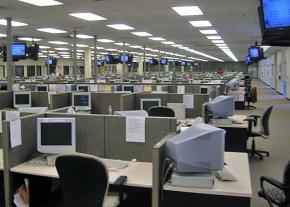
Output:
(200, 148)
(42, 87)
(204, 90)
(81, 101)
(56, 135)
(18, 50)
(147, 103)
(22, 99)
(130, 88)
(84, 88)
(233, 85)
(221, 107)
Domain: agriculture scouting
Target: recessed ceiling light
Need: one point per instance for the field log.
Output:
(51, 30)
(58, 42)
(208, 32)
(121, 44)
(214, 37)
(83, 36)
(188, 10)
(62, 48)
(44, 47)
(88, 16)
(105, 40)
(157, 38)
(204, 23)
(29, 39)
(120, 26)
(111, 49)
(13, 23)
(3, 35)
(42, 2)
(168, 43)
(221, 45)
(81, 45)
(142, 34)
(217, 41)
(135, 46)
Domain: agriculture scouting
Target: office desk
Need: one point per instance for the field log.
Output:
(226, 194)
(139, 173)
(236, 135)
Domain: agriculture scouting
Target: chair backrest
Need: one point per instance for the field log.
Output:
(286, 181)
(84, 180)
(265, 121)
(161, 111)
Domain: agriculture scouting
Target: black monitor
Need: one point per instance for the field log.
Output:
(42, 88)
(130, 88)
(147, 103)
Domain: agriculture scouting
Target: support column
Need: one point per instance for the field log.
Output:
(9, 55)
(140, 66)
(124, 63)
(144, 61)
(95, 62)
(48, 65)
(88, 63)
(159, 66)
(75, 58)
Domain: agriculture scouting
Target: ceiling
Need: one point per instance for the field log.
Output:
(235, 20)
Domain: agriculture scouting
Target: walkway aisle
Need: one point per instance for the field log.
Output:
(278, 143)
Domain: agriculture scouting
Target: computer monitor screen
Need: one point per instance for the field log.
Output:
(203, 90)
(124, 58)
(130, 88)
(42, 88)
(233, 85)
(221, 107)
(147, 103)
(18, 50)
(84, 88)
(276, 13)
(99, 63)
(81, 101)
(254, 52)
(48, 61)
(56, 135)
(183, 63)
(200, 148)
(22, 99)
(163, 61)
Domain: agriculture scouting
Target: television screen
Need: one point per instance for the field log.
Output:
(108, 59)
(163, 61)
(254, 52)
(18, 49)
(183, 63)
(48, 61)
(124, 58)
(276, 13)
(99, 63)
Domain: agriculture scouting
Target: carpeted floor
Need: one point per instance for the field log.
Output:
(278, 143)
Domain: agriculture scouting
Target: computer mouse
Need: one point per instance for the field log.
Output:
(134, 160)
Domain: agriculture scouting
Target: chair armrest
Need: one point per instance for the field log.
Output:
(271, 181)
(120, 181)
(118, 186)
(255, 116)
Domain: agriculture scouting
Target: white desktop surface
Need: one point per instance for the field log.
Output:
(238, 164)
(234, 125)
(1, 159)
(139, 174)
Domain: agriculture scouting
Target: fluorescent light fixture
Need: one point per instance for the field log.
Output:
(83, 36)
(120, 26)
(104, 53)
(205, 55)
(42, 2)
(64, 53)
(230, 54)
(81, 45)
(121, 44)
(88, 16)
(80, 51)
(43, 47)
(142, 34)
(214, 37)
(176, 45)
(62, 48)
(157, 38)
(221, 45)
(99, 48)
(218, 41)
(168, 43)
(135, 46)
(208, 32)
(13, 23)
(111, 49)
(105, 40)
(51, 30)
(3, 35)
(188, 10)
(29, 39)
(58, 42)
(204, 23)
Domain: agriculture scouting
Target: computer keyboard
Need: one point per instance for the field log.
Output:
(115, 164)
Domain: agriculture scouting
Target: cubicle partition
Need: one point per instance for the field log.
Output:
(6, 99)
(60, 100)
(128, 102)
(116, 146)
(39, 99)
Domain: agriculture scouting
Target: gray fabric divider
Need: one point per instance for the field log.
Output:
(127, 102)
(116, 146)
(198, 101)
(1, 141)
(172, 89)
(6, 99)
(164, 98)
(60, 100)
(89, 132)
(39, 99)
(24, 152)
(102, 101)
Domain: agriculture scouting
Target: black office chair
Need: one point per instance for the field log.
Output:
(264, 132)
(161, 111)
(279, 192)
(84, 181)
